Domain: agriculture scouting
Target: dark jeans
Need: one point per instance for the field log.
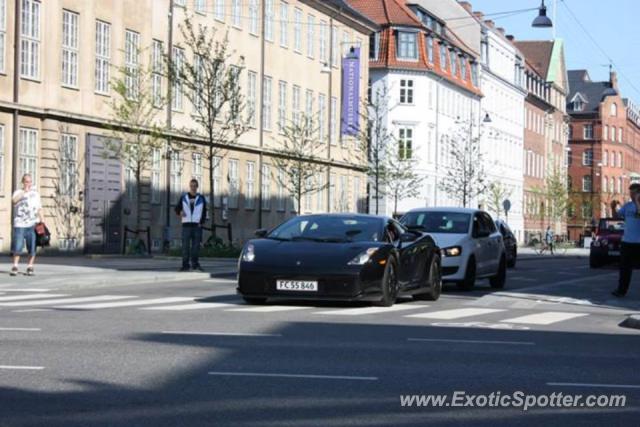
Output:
(191, 239)
(629, 258)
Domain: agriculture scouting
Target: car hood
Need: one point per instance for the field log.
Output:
(445, 240)
(304, 253)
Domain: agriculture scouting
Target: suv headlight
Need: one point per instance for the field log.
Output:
(249, 254)
(452, 251)
(363, 257)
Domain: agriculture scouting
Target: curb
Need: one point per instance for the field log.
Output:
(632, 321)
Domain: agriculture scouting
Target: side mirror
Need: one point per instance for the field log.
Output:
(261, 233)
(408, 237)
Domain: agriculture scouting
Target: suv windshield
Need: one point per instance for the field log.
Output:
(330, 229)
(438, 222)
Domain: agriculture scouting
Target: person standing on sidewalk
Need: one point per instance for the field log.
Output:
(630, 248)
(548, 239)
(192, 210)
(27, 209)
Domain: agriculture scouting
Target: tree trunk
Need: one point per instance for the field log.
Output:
(138, 198)
(212, 194)
(377, 192)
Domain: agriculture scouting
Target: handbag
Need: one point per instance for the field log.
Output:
(43, 235)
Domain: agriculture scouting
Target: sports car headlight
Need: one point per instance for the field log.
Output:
(249, 255)
(452, 251)
(363, 257)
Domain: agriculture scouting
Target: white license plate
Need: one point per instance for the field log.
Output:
(297, 285)
(614, 253)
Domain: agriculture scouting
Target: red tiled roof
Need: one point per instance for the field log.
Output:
(386, 12)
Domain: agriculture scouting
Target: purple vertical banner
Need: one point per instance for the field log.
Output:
(350, 119)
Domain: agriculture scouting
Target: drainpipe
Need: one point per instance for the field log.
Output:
(263, 44)
(16, 99)
(167, 230)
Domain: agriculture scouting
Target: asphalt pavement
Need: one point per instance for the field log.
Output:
(145, 346)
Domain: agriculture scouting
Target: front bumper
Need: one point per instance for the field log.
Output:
(350, 284)
(605, 252)
(453, 268)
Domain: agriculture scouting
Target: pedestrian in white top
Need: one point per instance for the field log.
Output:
(27, 213)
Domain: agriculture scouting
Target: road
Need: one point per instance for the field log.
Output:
(188, 352)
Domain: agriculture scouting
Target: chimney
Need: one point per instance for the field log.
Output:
(510, 37)
(500, 30)
(467, 6)
(613, 79)
(490, 23)
(479, 15)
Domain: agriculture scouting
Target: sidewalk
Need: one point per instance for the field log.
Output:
(90, 272)
(525, 253)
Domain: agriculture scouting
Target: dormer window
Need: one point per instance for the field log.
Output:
(454, 62)
(578, 105)
(443, 57)
(374, 46)
(407, 45)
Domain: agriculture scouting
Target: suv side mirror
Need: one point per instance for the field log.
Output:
(261, 232)
(408, 237)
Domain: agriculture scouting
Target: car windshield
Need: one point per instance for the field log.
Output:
(438, 222)
(611, 226)
(330, 229)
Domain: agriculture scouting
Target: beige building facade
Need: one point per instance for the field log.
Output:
(56, 108)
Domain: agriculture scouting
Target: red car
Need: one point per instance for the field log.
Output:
(606, 246)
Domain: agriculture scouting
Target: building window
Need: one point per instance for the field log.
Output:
(295, 106)
(587, 211)
(587, 158)
(334, 46)
(217, 179)
(619, 134)
(182, 3)
(430, 49)
(612, 185)
(3, 33)
(332, 193)
(68, 165)
(320, 192)
(308, 111)
(253, 17)
(356, 194)
(218, 11)
(233, 184)
(28, 154)
(266, 188)
(605, 133)
(374, 45)
(196, 167)
(323, 43)
(587, 186)
(311, 36)
(407, 45)
(605, 184)
(130, 186)
(322, 122)
(605, 158)
(268, 20)
(156, 167)
(308, 198)
(282, 198)
(30, 39)
(333, 122)
(131, 63)
(406, 91)
(454, 62)
(588, 131)
(405, 143)
(69, 48)
(619, 185)
(282, 106)
(175, 180)
(251, 98)
(614, 110)
(103, 56)
(619, 163)
(236, 13)
(199, 6)
(463, 68)
(156, 77)
(266, 103)
(249, 202)
(297, 30)
(178, 63)
(443, 57)
(474, 73)
(284, 24)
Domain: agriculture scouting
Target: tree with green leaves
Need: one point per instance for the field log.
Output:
(300, 150)
(555, 194)
(210, 81)
(465, 177)
(497, 193)
(135, 126)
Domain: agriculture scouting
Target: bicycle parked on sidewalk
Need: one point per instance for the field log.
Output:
(560, 246)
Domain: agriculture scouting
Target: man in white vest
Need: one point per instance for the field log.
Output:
(192, 210)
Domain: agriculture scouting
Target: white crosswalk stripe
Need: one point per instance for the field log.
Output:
(457, 313)
(546, 318)
(25, 290)
(65, 300)
(193, 306)
(360, 311)
(269, 308)
(29, 296)
(126, 303)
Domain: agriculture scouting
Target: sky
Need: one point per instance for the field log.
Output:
(612, 23)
